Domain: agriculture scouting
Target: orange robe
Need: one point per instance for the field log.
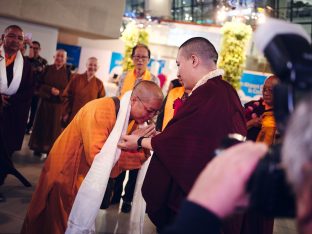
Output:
(79, 92)
(68, 163)
(130, 160)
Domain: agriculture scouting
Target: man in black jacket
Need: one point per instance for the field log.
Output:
(16, 90)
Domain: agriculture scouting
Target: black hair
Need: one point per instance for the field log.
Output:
(201, 47)
(13, 26)
(141, 45)
(37, 42)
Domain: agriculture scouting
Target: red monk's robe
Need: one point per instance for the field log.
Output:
(187, 144)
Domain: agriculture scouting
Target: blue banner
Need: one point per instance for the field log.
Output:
(251, 84)
(116, 61)
(73, 53)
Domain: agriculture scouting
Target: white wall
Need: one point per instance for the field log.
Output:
(103, 57)
(174, 34)
(116, 45)
(93, 18)
(47, 36)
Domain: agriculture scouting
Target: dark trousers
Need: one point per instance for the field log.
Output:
(115, 186)
(6, 165)
(129, 189)
(33, 110)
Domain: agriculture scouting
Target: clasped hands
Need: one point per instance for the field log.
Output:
(130, 142)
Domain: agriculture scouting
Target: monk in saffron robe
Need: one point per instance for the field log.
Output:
(81, 89)
(47, 125)
(72, 154)
(264, 124)
(187, 144)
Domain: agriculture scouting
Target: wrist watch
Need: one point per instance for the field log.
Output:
(139, 142)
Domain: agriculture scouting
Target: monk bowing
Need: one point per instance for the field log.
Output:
(74, 151)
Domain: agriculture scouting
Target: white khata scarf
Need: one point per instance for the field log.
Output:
(137, 215)
(210, 75)
(91, 192)
(17, 74)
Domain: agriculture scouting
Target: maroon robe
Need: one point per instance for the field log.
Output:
(187, 144)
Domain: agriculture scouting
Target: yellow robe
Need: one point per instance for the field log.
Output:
(130, 81)
(268, 128)
(68, 163)
(169, 111)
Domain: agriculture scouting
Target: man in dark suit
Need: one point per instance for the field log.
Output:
(16, 90)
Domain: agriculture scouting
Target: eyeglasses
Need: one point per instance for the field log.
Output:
(152, 112)
(137, 57)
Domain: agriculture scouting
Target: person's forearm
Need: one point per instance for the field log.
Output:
(146, 143)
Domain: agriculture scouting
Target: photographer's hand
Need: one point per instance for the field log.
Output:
(220, 187)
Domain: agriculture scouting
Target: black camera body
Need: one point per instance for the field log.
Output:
(288, 50)
(270, 194)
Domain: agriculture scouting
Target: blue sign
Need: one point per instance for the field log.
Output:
(73, 53)
(251, 84)
(116, 60)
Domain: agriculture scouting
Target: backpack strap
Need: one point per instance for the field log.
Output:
(117, 104)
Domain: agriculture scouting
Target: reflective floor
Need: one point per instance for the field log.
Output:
(13, 210)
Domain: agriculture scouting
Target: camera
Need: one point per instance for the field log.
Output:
(288, 49)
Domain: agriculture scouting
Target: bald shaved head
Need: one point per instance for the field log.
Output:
(148, 90)
(60, 57)
(267, 90)
(146, 100)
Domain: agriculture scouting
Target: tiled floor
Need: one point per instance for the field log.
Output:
(12, 211)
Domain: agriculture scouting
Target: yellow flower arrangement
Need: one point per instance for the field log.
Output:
(233, 51)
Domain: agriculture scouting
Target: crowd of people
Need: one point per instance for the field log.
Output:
(79, 130)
